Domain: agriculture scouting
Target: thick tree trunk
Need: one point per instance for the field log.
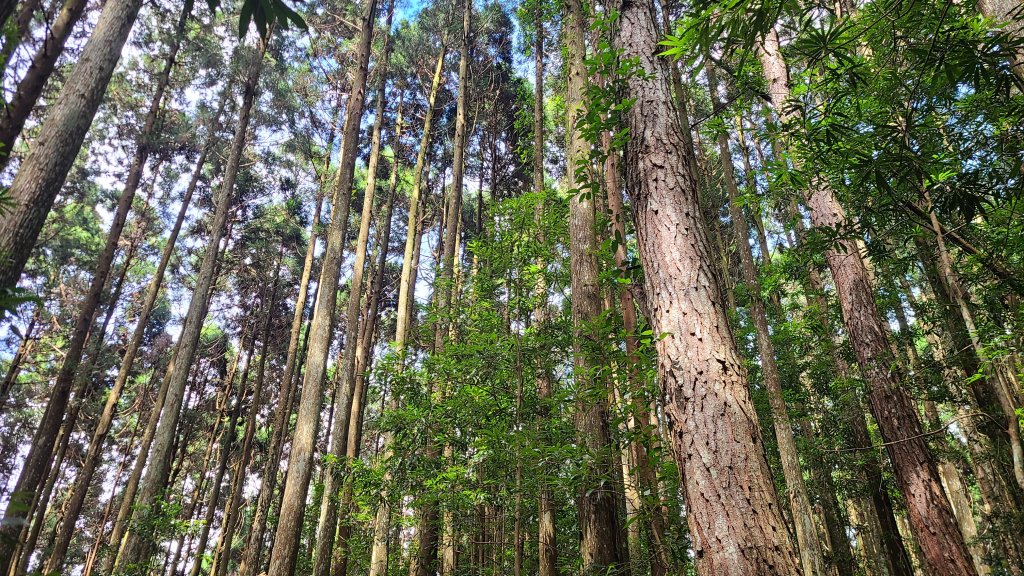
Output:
(811, 558)
(714, 428)
(17, 110)
(296, 485)
(42, 174)
(137, 546)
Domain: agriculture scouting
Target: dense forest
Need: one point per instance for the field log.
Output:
(478, 287)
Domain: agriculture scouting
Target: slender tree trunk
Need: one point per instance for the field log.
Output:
(928, 510)
(254, 549)
(382, 522)
(137, 546)
(547, 549)
(601, 540)
(714, 428)
(406, 291)
(339, 434)
(42, 174)
(94, 454)
(286, 540)
(811, 558)
(222, 557)
(227, 443)
(427, 537)
(28, 339)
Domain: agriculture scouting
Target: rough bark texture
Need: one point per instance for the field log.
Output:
(300, 464)
(42, 174)
(928, 509)
(734, 515)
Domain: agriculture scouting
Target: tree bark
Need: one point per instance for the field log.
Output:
(17, 110)
(406, 289)
(547, 545)
(928, 509)
(252, 556)
(601, 540)
(296, 485)
(94, 454)
(713, 423)
(42, 174)
(811, 558)
(137, 546)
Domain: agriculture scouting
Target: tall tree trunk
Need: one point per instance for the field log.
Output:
(128, 359)
(17, 110)
(601, 539)
(427, 537)
(928, 510)
(346, 380)
(222, 556)
(42, 174)
(382, 521)
(227, 443)
(406, 289)
(252, 556)
(296, 485)
(547, 547)
(137, 546)
(94, 453)
(714, 427)
(811, 558)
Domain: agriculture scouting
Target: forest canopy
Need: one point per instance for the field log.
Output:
(481, 288)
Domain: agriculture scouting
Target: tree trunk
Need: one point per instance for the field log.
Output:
(296, 485)
(346, 383)
(601, 540)
(94, 454)
(406, 288)
(928, 510)
(714, 428)
(811, 558)
(382, 522)
(17, 110)
(137, 546)
(547, 549)
(222, 557)
(42, 174)
(251, 558)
